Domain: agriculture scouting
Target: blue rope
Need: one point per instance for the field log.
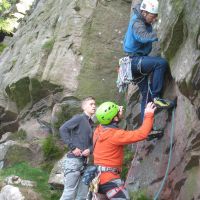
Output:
(169, 160)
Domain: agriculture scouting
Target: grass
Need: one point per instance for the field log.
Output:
(50, 149)
(52, 152)
(25, 171)
(139, 195)
(20, 135)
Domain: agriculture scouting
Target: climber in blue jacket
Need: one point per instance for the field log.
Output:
(137, 45)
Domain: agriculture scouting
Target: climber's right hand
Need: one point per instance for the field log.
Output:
(150, 108)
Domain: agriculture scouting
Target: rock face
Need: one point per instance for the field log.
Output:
(11, 193)
(12, 152)
(63, 48)
(178, 31)
(16, 180)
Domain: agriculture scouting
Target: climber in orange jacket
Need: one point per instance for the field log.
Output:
(109, 141)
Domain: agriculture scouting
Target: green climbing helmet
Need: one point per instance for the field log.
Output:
(106, 112)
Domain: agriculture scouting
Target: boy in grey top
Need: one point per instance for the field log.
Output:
(77, 134)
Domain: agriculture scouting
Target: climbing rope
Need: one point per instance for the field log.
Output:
(168, 164)
(169, 159)
(130, 173)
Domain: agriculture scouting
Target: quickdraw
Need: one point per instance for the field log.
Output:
(94, 187)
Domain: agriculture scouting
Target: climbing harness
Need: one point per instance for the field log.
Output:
(107, 169)
(124, 74)
(111, 193)
(91, 177)
(125, 77)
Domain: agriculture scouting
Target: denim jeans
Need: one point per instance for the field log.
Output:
(141, 68)
(74, 188)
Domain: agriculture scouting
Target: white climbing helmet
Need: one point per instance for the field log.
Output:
(150, 6)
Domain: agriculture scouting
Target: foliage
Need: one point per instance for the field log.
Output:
(24, 171)
(48, 45)
(4, 5)
(128, 156)
(139, 195)
(4, 25)
(6, 21)
(50, 149)
(19, 135)
(52, 152)
(19, 92)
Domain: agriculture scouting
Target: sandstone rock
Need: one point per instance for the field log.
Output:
(13, 152)
(29, 194)
(5, 137)
(23, 6)
(51, 47)
(9, 192)
(4, 148)
(16, 180)
(56, 178)
(35, 130)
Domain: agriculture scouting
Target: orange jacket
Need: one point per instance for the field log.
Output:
(109, 142)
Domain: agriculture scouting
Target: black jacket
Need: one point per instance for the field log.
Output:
(77, 132)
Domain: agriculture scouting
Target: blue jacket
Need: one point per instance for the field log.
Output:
(139, 36)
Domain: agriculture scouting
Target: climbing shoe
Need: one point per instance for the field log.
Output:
(162, 103)
(155, 134)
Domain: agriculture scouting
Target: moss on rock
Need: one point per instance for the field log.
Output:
(27, 90)
(19, 92)
(20, 135)
(2, 47)
(191, 186)
(39, 90)
(139, 195)
(17, 154)
(101, 48)
(48, 45)
(179, 33)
